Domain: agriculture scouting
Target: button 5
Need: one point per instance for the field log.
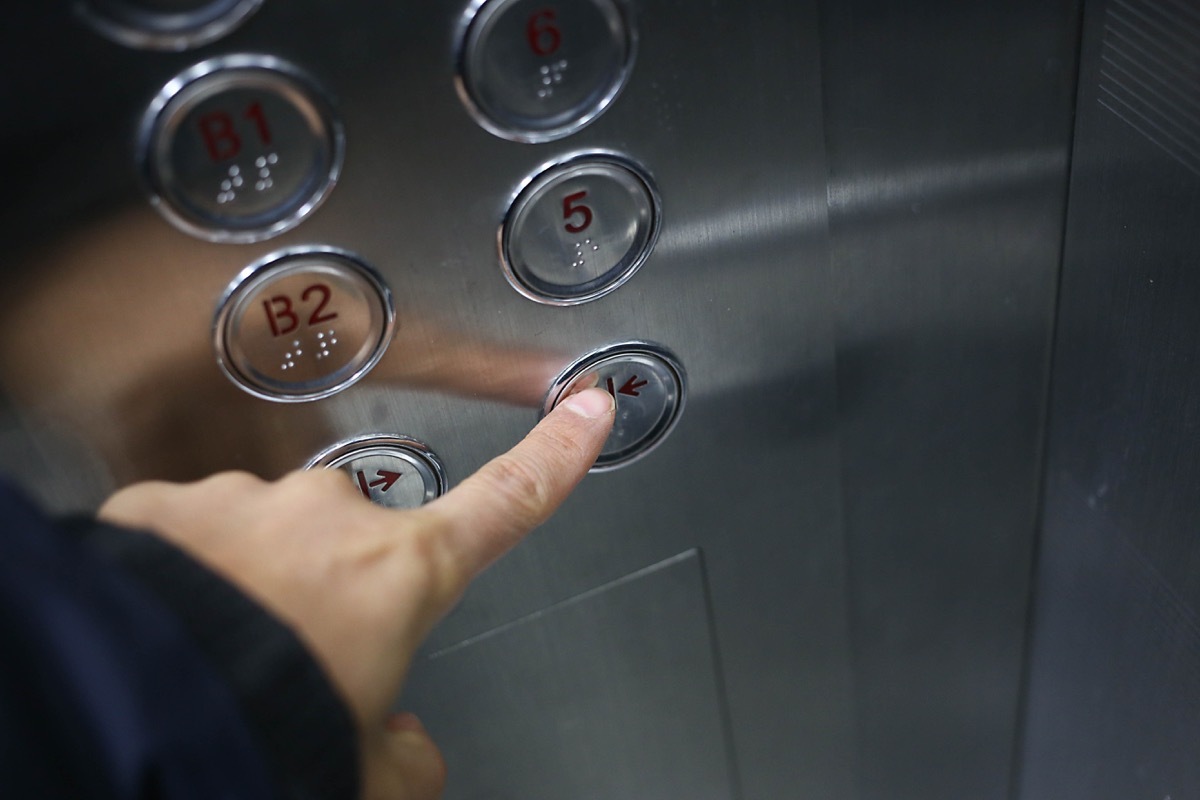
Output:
(580, 229)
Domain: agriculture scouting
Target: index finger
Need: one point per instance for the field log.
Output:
(512, 494)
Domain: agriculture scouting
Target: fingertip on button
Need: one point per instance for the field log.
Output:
(592, 403)
(645, 384)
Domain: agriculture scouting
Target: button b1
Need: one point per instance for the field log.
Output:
(647, 383)
(240, 148)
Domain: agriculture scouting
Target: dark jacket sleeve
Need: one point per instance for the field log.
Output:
(127, 670)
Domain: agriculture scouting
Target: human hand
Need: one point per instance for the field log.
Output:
(362, 585)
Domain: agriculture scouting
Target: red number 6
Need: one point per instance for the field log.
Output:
(544, 36)
(570, 209)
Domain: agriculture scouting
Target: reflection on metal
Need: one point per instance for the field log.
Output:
(906, 189)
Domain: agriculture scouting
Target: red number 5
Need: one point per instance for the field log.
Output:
(543, 34)
(571, 208)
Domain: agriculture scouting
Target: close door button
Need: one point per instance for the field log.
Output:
(647, 383)
(389, 470)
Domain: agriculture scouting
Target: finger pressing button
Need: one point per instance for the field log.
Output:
(647, 383)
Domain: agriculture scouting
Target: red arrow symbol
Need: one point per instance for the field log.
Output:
(387, 479)
(631, 387)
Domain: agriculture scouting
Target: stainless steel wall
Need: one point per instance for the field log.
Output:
(948, 129)
(1113, 709)
(818, 585)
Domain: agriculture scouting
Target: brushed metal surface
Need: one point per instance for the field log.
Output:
(1113, 708)
(624, 699)
(948, 130)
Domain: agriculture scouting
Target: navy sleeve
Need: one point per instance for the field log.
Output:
(128, 671)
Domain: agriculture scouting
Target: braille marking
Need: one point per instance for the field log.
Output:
(551, 76)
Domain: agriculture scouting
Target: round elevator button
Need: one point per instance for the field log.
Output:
(389, 470)
(647, 383)
(240, 148)
(302, 324)
(165, 24)
(532, 71)
(579, 229)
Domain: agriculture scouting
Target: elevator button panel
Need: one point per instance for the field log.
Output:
(240, 148)
(533, 71)
(302, 324)
(389, 470)
(647, 384)
(165, 24)
(580, 229)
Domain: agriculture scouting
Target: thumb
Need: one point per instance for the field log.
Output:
(402, 762)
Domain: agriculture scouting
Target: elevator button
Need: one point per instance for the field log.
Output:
(647, 383)
(240, 148)
(165, 24)
(579, 230)
(389, 470)
(302, 324)
(532, 70)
